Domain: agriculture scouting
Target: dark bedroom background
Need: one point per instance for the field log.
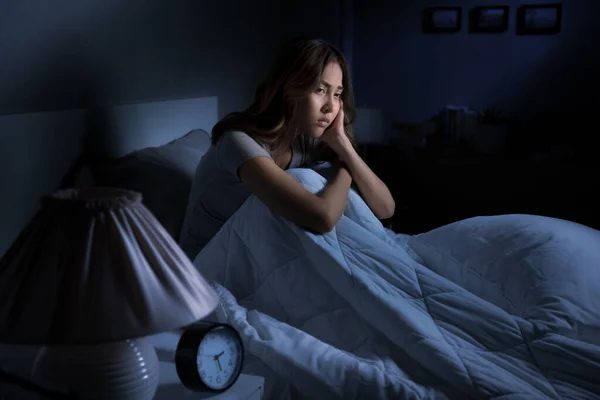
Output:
(69, 54)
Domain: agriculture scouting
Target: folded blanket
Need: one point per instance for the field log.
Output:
(486, 308)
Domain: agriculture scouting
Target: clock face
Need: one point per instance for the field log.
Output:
(219, 358)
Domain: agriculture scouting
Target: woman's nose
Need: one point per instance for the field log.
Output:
(328, 106)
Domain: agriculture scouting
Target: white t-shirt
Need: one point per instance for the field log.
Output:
(217, 191)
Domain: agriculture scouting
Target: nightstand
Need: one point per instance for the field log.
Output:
(247, 387)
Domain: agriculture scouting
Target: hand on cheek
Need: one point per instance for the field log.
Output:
(335, 136)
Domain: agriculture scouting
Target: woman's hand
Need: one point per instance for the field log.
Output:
(335, 137)
(375, 193)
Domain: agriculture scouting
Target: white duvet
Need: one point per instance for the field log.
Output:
(490, 307)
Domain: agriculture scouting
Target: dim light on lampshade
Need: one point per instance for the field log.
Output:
(368, 125)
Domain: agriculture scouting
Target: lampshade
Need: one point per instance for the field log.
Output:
(95, 266)
(368, 125)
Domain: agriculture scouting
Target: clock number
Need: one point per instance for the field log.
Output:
(202, 374)
(218, 379)
(231, 362)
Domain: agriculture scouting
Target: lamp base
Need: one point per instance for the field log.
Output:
(125, 370)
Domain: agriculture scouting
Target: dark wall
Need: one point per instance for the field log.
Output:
(547, 79)
(67, 54)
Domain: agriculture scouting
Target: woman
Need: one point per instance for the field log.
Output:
(299, 117)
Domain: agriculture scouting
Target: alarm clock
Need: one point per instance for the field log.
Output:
(209, 357)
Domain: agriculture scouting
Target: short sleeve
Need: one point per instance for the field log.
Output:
(235, 148)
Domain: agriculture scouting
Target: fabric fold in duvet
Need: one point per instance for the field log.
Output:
(476, 309)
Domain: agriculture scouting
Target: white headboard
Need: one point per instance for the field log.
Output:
(132, 127)
(37, 149)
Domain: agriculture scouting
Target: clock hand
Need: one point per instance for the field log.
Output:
(218, 364)
(219, 355)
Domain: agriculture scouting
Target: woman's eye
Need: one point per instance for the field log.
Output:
(338, 95)
(320, 90)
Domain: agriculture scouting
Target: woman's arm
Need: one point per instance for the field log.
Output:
(284, 195)
(375, 193)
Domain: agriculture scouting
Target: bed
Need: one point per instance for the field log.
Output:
(490, 307)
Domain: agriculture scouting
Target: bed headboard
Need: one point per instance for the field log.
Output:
(154, 149)
(38, 149)
(129, 127)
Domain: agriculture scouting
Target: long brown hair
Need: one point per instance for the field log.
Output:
(295, 73)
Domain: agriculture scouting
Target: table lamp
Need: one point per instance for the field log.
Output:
(368, 128)
(368, 125)
(89, 277)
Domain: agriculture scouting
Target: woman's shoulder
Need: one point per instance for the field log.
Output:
(234, 133)
(237, 137)
(236, 147)
(241, 141)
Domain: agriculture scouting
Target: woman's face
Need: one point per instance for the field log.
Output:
(319, 109)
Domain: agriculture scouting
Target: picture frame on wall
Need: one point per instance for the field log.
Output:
(488, 19)
(442, 20)
(539, 19)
